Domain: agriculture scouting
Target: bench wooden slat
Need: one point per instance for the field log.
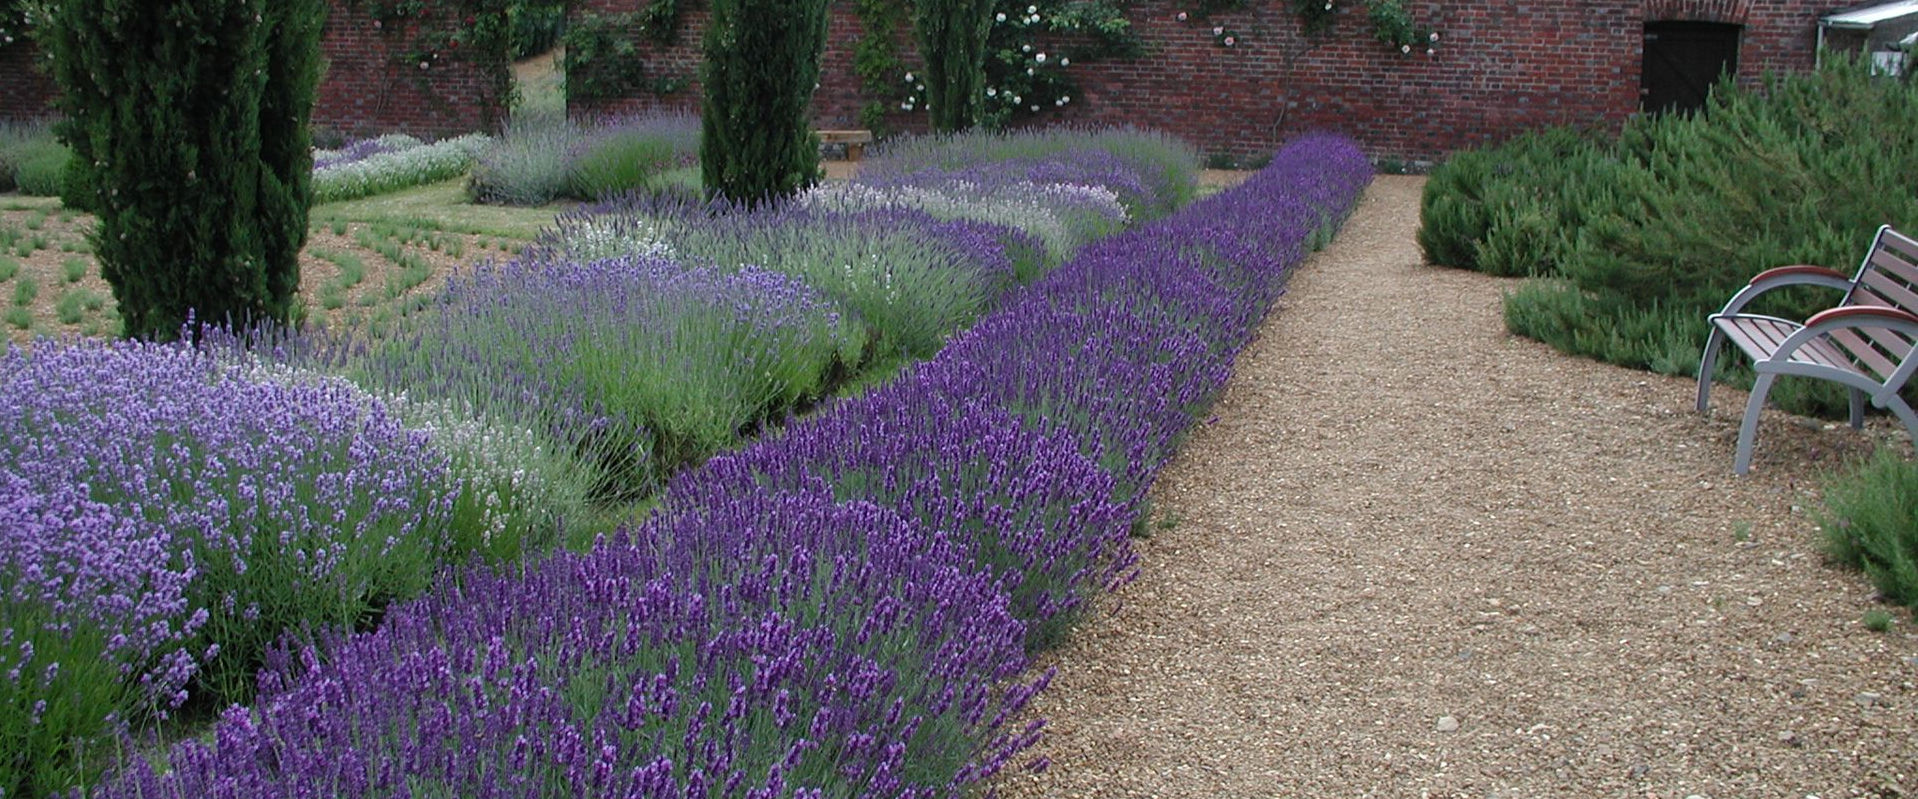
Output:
(1862, 350)
(1897, 254)
(1887, 341)
(1889, 291)
(1760, 337)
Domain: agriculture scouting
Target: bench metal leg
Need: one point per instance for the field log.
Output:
(1749, 429)
(1706, 365)
(1905, 415)
(1857, 409)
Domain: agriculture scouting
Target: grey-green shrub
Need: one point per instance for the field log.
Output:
(618, 162)
(42, 168)
(528, 163)
(17, 141)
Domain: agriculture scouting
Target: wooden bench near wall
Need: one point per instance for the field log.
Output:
(855, 141)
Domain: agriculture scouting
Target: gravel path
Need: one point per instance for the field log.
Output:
(1418, 556)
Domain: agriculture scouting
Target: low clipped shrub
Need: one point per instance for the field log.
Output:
(1152, 173)
(1871, 524)
(1064, 217)
(1659, 228)
(325, 159)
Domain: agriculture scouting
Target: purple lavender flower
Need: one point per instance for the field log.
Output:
(189, 515)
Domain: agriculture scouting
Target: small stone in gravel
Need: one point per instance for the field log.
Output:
(1868, 699)
(1447, 724)
(1788, 737)
(1912, 662)
(1639, 771)
(1781, 639)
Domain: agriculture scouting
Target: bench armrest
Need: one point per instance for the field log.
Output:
(1782, 276)
(1847, 316)
(1856, 315)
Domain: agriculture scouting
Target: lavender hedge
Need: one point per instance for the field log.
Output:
(803, 618)
(777, 645)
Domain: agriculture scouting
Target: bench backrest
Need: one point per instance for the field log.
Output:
(1888, 277)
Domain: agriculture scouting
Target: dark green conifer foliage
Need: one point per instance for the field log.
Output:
(188, 122)
(762, 63)
(952, 41)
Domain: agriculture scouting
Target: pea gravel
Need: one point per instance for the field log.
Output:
(1415, 555)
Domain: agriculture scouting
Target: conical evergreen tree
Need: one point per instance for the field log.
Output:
(952, 39)
(188, 121)
(762, 64)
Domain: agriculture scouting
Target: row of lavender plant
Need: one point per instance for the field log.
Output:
(845, 608)
(390, 164)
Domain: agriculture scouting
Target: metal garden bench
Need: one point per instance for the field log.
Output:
(1864, 342)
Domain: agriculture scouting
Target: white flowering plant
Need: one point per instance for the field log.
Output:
(1028, 72)
(1390, 21)
(14, 21)
(1393, 25)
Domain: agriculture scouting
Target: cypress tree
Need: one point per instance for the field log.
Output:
(952, 40)
(188, 122)
(762, 63)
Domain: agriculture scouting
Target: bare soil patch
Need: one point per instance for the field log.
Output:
(396, 263)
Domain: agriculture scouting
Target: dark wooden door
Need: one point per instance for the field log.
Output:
(1682, 61)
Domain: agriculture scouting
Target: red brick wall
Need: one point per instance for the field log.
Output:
(1501, 66)
(365, 90)
(25, 92)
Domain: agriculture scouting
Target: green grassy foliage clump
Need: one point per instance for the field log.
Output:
(1871, 524)
(32, 161)
(1649, 233)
